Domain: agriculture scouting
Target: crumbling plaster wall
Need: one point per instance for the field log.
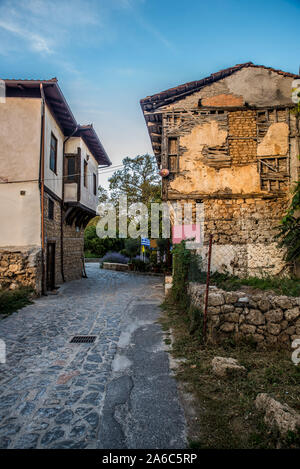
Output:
(240, 211)
(257, 86)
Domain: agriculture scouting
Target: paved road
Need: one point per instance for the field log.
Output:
(115, 393)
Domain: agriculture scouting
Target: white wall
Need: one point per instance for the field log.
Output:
(87, 196)
(53, 181)
(20, 130)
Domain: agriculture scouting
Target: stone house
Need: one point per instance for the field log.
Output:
(48, 185)
(230, 141)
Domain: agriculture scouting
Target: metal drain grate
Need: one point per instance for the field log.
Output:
(83, 339)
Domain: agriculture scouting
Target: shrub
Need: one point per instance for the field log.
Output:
(100, 246)
(12, 300)
(139, 265)
(115, 257)
(132, 247)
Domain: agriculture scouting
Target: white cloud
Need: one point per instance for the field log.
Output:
(45, 25)
(37, 42)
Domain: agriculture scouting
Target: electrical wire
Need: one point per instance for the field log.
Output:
(58, 178)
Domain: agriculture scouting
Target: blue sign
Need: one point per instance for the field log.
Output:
(145, 242)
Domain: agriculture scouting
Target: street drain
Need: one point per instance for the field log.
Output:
(83, 339)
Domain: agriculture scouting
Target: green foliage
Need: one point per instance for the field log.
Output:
(95, 245)
(289, 230)
(12, 300)
(153, 258)
(138, 179)
(185, 263)
(162, 244)
(283, 286)
(102, 195)
(90, 255)
(139, 265)
(181, 264)
(132, 247)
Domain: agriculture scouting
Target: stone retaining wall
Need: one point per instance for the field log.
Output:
(269, 319)
(20, 267)
(115, 266)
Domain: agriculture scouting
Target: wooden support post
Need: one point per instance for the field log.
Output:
(207, 289)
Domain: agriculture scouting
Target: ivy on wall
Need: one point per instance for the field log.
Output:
(289, 230)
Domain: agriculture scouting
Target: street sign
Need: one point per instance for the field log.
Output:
(145, 242)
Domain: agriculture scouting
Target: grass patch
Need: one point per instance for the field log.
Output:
(12, 300)
(282, 286)
(224, 414)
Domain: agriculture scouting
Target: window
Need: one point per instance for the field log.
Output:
(50, 209)
(71, 168)
(95, 183)
(85, 173)
(173, 162)
(53, 153)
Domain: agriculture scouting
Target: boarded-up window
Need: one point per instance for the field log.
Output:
(53, 153)
(173, 162)
(85, 173)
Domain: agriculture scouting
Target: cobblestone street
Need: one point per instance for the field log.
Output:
(117, 392)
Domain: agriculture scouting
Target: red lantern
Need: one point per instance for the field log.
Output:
(164, 172)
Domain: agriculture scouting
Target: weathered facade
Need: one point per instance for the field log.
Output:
(48, 185)
(231, 142)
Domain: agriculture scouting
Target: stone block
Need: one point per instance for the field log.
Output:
(277, 415)
(255, 317)
(274, 315)
(227, 367)
(292, 314)
(215, 299)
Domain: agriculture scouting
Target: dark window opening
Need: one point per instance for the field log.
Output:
(71, 168)
(85, 173)
(173, 161)
(53, 153)
(95, 183)
(50, 209)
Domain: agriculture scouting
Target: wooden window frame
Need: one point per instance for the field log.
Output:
(69, 177)
(95, 183)
(53, 138)
(85, 174)
(169, 154)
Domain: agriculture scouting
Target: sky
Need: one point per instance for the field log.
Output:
(108, 54)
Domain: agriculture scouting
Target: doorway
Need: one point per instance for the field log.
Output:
(50, 266)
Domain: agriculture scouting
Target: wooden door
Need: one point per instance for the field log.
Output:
(50, 266)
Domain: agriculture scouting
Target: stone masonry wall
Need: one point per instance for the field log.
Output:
(52, 234)
(73, 244)
(73, 252)
(243, 235)
(267, 318)
(20, 267)
(242, 124)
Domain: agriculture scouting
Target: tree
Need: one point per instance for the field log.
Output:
(138, 179)
(289, 230)
(132, 247)
(100, 246)
(102, 195)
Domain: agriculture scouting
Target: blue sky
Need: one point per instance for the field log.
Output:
(108, 54)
